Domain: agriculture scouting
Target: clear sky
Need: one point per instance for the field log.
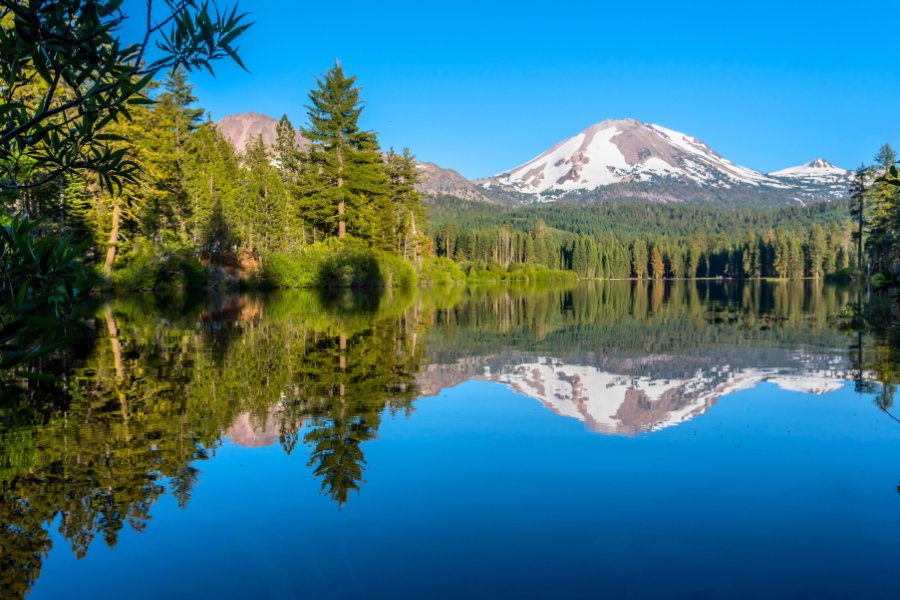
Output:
(481, 87)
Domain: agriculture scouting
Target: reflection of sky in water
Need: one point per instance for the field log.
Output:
(775, 493)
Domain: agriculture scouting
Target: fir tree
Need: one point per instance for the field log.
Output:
(657, 265)
(408, 212)
(345, 182)
(882, 237)
(639, 258)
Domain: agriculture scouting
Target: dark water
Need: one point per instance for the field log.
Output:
(707, 440)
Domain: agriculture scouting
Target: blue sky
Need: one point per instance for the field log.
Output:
(484, 86)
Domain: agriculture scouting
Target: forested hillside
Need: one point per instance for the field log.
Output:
(642, 240)
(198, 212)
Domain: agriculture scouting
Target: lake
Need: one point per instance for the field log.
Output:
(622, 440)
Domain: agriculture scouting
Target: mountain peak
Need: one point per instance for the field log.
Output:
(820, 163)
(242, 128)
(620, 123)
(625, 151)
(813, 170)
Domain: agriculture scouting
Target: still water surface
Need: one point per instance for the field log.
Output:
(707, 440)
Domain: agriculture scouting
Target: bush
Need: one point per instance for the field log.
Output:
(518, 272)
(441, 271)
(169, 266)
(337, 263)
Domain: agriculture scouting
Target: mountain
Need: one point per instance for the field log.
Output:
(627, 159)
(616, 403)
(818, 178)
(437, 181)
(612, 403)
(242, 128)
(818, 170)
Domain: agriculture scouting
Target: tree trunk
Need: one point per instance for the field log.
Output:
(342, 225)
(415, 241)
(113, 237)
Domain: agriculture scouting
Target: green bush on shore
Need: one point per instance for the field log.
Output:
(337, 263)
(516, 272)
(170, 265)
(440, 271)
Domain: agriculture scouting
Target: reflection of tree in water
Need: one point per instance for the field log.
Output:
(875, 350)
(343, 389)
(155, 395)
(122, 434)
(744, 320)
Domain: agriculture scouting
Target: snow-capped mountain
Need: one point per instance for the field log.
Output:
(819, 170)
(818, 177)
(613, 160)
(629, 159)
(615, 403)
(622, 151)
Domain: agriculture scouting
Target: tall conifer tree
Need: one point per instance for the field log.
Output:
(345, 181)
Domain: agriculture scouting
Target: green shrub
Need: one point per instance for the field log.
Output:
(441, 271)
(517, 272)
(337, 263)
(168, 266)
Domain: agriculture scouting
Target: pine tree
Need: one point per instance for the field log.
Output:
(265, 200)
(406, 205)
(657, 265)
(883, 236)
(639, 258)
(817, 250)
(166, 144)
(695, 255)
(345, 184)
(581, 258)
(676, 262)
(287, 153)
(797, 266)
(213, 183)
(782, 259)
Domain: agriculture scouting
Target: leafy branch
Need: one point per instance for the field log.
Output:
(65, 76)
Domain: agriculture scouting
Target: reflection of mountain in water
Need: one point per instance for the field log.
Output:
(615, 402)
(620, 404)
(255, 433)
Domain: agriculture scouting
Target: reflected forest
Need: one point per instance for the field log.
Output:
(153, 391)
